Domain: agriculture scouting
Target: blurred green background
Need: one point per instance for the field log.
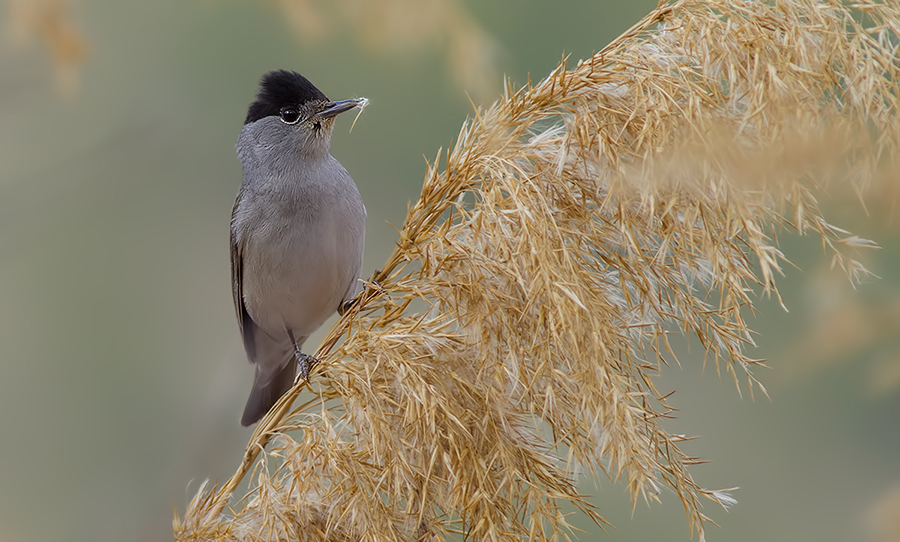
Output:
(122, 378)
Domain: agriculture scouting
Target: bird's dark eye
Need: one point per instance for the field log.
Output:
(289, 115)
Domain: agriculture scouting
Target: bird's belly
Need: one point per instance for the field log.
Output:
(297, 281)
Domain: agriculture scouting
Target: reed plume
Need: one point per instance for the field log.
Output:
(385, 26)
(512, 338)
(50, 22)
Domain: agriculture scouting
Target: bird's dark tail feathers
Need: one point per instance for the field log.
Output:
(265, 394)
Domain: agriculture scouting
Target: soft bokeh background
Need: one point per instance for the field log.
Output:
(121, 374)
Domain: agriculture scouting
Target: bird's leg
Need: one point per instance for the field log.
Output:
(305, 361)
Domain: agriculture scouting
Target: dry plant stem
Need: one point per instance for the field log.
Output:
(271, 423)
(513, 336)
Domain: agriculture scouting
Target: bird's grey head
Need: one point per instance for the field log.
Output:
(289, 119)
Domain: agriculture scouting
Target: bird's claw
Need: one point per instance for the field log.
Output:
(306, 363)
(368, 285)
(375, 286)
(347, 305)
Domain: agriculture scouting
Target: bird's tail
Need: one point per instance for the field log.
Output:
(267, 389)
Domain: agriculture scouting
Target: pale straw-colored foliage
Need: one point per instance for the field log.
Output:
(575, 228)
(402, 26)
(883, 516)
(50, 23)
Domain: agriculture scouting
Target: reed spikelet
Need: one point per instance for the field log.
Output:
(513, 336)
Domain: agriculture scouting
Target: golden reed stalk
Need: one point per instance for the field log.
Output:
(513, 336)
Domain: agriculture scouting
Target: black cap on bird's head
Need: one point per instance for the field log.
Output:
(279, 89)
(288, 94)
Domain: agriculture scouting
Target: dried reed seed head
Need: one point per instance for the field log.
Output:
(51, 23)
(518, 326)
(394, 26)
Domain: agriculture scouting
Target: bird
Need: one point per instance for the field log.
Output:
(297, 232)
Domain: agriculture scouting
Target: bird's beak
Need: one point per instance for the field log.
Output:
(335, 108)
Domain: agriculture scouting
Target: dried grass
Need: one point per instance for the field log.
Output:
(50, 23)
(401, 26)
(883, 516)
(515, 331)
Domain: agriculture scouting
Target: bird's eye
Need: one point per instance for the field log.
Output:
(289, 115)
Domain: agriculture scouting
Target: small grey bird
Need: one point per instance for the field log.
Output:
(297, 231)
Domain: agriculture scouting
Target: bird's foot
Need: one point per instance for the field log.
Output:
(306, 363)
(370, 285)
(347, 305)
(375, 286)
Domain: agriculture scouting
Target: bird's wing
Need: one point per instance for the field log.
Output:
(237, 280)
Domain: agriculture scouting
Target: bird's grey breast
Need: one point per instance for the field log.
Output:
(302, 231)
